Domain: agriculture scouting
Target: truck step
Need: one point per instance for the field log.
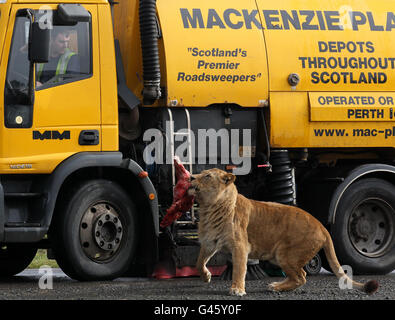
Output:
(13, 195)
(22, 224)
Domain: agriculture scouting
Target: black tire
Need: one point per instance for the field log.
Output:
(15, 258)
(314, 266)
(95, 231)
(364, 230)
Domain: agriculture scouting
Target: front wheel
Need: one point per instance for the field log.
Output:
(364, 229)
(94, 231)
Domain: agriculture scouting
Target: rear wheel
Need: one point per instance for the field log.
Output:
(364, 229)
(95, 231)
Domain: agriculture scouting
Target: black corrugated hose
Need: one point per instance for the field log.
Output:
(149, 45)
(281, 179)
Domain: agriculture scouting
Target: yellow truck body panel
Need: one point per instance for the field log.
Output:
(208, 62)
(201, 62)
(334, 46)
(343, 54)
(244, 52)
(127, 31)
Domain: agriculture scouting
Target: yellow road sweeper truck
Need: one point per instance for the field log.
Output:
(297, 98)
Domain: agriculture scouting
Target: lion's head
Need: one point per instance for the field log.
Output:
(210, 184)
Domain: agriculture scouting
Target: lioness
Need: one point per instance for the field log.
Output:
(284, 235)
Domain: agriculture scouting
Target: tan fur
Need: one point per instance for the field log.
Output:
(285, 235)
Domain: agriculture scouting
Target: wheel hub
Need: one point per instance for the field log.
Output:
(361, 228)
(101, 232)
(314, 265)
(107, 231)
(371, 227)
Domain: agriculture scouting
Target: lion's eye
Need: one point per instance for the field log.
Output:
(207, 176)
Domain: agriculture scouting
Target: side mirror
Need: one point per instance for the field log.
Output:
(72, 13)
(39, 44)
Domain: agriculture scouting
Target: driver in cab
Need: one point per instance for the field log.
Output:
(62, 60)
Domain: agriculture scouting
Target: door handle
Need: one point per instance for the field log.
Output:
(89, 138)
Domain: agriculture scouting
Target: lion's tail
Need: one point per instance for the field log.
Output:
(369, 287)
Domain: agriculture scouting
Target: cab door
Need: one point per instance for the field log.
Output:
(64, 114)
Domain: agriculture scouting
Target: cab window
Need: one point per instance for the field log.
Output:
(70, 57)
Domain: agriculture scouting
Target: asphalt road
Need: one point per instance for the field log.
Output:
(325, 286)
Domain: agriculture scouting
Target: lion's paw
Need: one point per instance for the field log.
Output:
(237, 292)
(206, 277)
(273, 286)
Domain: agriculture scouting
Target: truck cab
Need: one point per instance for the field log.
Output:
(59, 123)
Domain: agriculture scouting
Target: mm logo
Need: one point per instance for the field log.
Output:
(51, 135)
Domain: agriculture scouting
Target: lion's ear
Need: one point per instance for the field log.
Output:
(228, 178)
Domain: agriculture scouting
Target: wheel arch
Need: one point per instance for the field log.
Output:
(382, 171)
(110, 166)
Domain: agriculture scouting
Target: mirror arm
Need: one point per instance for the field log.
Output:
(31, 64)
